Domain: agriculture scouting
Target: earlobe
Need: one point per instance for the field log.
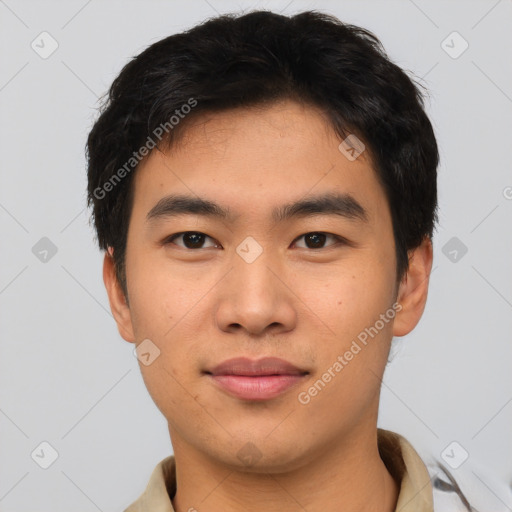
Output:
(413, 290)
(117, 300)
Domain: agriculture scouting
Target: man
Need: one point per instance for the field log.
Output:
(265, 190)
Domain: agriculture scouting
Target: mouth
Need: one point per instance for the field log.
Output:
(256, 380)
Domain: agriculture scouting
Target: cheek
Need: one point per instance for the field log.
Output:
(352, 298)
(357, 352)
(352, 307)
(166, 309)
(156, 298)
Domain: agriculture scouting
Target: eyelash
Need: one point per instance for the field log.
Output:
(339, 240)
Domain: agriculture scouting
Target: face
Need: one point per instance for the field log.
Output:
(315, 287)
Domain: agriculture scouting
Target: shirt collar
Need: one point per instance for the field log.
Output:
(402, 461)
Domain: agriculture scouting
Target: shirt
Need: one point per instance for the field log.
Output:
(402, 461)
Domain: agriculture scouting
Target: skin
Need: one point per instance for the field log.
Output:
(305, 305)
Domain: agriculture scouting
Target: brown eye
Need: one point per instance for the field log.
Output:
(316, 239)
(190, 239)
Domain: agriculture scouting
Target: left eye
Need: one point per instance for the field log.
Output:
(316, 239)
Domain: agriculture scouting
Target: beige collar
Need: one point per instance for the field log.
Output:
(402, 461)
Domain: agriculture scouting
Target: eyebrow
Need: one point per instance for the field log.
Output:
(343, 205)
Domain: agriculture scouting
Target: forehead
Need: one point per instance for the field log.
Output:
(254, 160)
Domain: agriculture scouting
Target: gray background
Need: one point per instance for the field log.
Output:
(66, 376)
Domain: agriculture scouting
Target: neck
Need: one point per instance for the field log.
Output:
(349, 477)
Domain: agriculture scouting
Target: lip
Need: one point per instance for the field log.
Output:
(261, 379)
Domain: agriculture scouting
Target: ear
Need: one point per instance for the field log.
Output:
(116, 297)
(413, 289)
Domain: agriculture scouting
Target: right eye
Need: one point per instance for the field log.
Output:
(191, 240)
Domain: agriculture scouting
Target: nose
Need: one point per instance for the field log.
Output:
(256, 298)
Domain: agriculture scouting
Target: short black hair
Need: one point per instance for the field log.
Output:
(234, 61)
